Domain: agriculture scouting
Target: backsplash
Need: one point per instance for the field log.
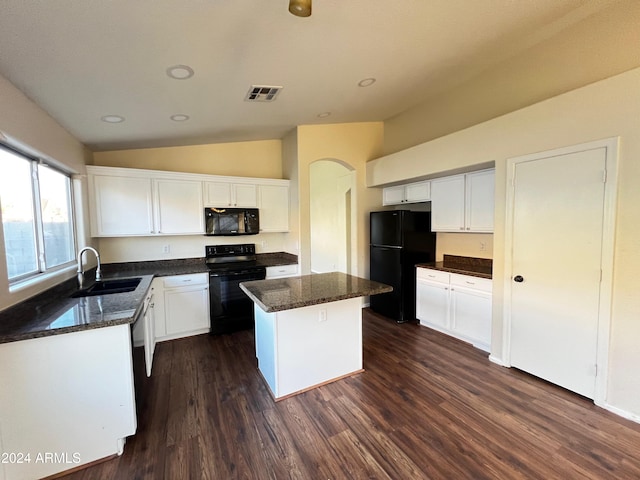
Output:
(478, 245)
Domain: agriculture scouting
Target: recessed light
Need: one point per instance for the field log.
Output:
(112, 119)
(324, 115)
(367, 82)
(179, 117)
(180, 72)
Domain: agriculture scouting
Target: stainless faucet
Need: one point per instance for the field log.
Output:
(81, 271)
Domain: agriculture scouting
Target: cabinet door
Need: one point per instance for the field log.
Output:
(480, 201)
(186, 309)
(432, 304)
(447, 204)
(179, 207)
(245, 195)
(471, 316)
(150, 335)
(217, 194)
(121, 206)
(393, 195)
(274, 208)
(417, 192)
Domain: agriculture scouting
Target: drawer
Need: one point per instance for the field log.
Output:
(186, 280)
(282, 271)
(468, 281)
(432, 275)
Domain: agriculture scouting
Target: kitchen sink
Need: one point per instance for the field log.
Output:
(107, 287)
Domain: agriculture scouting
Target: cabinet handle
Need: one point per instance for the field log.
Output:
(470, 283)
(461, 228)
(186, 281)
(468, 228)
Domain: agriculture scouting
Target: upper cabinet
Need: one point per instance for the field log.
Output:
(225, 194)
(274, 207)
(132, 202)
(120, 205)
(179, 209)
(463, 203)
(408, 193)
(125, 204)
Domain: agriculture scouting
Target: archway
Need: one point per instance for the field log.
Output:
(331, 195)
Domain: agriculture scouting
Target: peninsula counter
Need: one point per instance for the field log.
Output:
(308, 329)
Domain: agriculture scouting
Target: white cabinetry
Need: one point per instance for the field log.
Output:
(282, 271)
(71, 394)
(463, 203)
(179, 209)
(120, 205)
(225, 194)
(185, 306)
(127, 202)
(409, 193)
(132, 202)
(432, 298)
(274, 208)
(458, 305)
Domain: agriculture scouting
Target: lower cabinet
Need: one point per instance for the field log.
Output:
(282, 271)
(68, 395)
(458, 305)
(181, 306)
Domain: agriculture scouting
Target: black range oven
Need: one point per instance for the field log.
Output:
(230, 308)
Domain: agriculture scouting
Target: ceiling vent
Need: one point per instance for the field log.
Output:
(262, 93)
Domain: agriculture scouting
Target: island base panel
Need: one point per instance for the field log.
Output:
(306, 347)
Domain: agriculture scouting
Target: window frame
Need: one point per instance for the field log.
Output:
(42, 270)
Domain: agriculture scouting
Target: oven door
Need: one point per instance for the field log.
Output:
(231, 308)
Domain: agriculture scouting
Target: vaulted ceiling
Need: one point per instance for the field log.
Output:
(84, 60)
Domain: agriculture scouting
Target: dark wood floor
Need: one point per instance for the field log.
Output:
(427, 406)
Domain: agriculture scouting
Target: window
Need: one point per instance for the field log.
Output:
(37, 218)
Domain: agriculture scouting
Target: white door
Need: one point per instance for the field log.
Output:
(558, 212)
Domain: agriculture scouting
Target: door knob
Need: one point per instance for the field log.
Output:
(518, 278)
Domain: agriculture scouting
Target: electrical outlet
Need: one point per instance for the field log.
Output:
(483, 246)
(323, 315)
(166, 248)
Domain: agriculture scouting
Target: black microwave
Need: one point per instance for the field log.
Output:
(231, 221)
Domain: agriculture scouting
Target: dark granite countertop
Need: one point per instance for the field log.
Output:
(295, 292)
(475, 267)
(53, 312)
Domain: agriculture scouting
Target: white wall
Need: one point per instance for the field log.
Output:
(24, 123)
(608, 108)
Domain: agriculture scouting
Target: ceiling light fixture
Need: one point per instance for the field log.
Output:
(180, 72)
(367, 82)
(179, 117)
(300, 8)
(112, 119)
(324, 115)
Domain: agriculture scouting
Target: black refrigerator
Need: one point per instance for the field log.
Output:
(399, 240)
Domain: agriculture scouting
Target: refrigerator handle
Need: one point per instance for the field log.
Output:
(388, 247)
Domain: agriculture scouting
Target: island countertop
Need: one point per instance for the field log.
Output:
(280, 294)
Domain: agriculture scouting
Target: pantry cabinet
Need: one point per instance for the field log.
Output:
(463, 203)
(458, 305)
(409, 193)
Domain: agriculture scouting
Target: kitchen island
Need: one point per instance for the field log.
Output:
(308, 329)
